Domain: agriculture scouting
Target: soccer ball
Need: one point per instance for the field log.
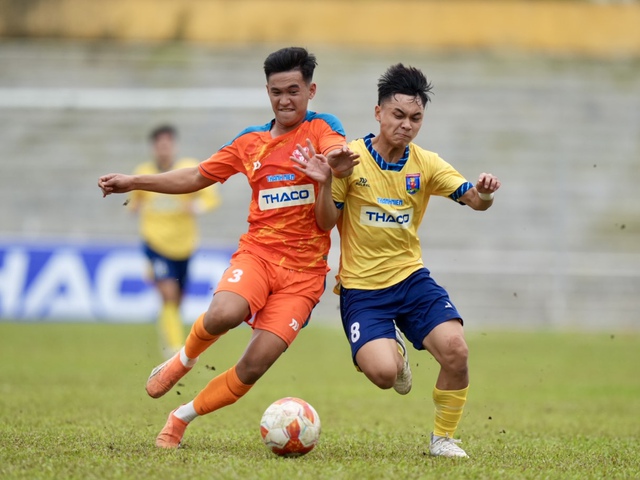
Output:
(290, 427)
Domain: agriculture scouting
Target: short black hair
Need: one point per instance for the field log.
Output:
(406, 81)
(291, 58)
(164, 129)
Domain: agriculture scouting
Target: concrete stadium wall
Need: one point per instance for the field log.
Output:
(559, 249)
(575, 27)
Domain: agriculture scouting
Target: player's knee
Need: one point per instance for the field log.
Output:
(457, 355)
(169, 291)
(219, 319)
(383, 376)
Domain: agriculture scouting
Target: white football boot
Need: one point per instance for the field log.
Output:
(446, 447)
(403, 382)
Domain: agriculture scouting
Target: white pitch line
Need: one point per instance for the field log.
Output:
(131, 98)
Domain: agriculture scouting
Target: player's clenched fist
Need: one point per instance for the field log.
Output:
(487, 183)
(115, 183)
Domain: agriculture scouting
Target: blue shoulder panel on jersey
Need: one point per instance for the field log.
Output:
(256, 128)
(332, 121)
(462, 189)
(394, 167)
(339, 205)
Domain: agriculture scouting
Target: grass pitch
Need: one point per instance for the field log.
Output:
(541, 405)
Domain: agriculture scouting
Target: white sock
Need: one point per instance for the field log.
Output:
(186, 361)
(186, 412)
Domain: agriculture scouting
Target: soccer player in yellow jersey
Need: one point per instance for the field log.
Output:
(169, 231)
(383, 283)
(277, 275)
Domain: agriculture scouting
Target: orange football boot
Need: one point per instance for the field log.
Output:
(171, 435)
(165, 376)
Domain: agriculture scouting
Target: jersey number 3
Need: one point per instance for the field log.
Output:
(237, 273)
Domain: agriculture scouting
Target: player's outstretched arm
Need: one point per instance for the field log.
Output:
(185, 180)
(480, 197)
(316, 167)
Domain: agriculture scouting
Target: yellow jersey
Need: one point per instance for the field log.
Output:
(382, 207)
(168, 222)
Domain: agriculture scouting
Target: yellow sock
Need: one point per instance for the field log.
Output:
(170, 324)
(449, 406)
(223, 390)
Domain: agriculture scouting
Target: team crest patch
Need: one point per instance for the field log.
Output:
(413, 183)
(296, 153)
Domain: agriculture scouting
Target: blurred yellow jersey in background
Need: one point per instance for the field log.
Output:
(168, 222)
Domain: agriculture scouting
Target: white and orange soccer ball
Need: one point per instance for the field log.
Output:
(290, 427)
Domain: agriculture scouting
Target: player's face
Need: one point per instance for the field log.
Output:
(400, 119)
(289, 96)
(164, 149)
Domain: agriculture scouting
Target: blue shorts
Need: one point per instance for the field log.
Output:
(165, 268)
(417, 304)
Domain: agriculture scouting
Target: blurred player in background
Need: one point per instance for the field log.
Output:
(383, 283)
(277, 275)
(169, 231)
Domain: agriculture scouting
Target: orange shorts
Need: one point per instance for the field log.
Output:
(281, 300)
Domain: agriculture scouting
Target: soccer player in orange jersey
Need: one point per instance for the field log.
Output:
(277, 274)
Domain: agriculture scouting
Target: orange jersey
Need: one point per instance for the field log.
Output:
(282, 221)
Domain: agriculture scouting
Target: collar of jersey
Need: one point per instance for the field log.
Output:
(395, 167)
